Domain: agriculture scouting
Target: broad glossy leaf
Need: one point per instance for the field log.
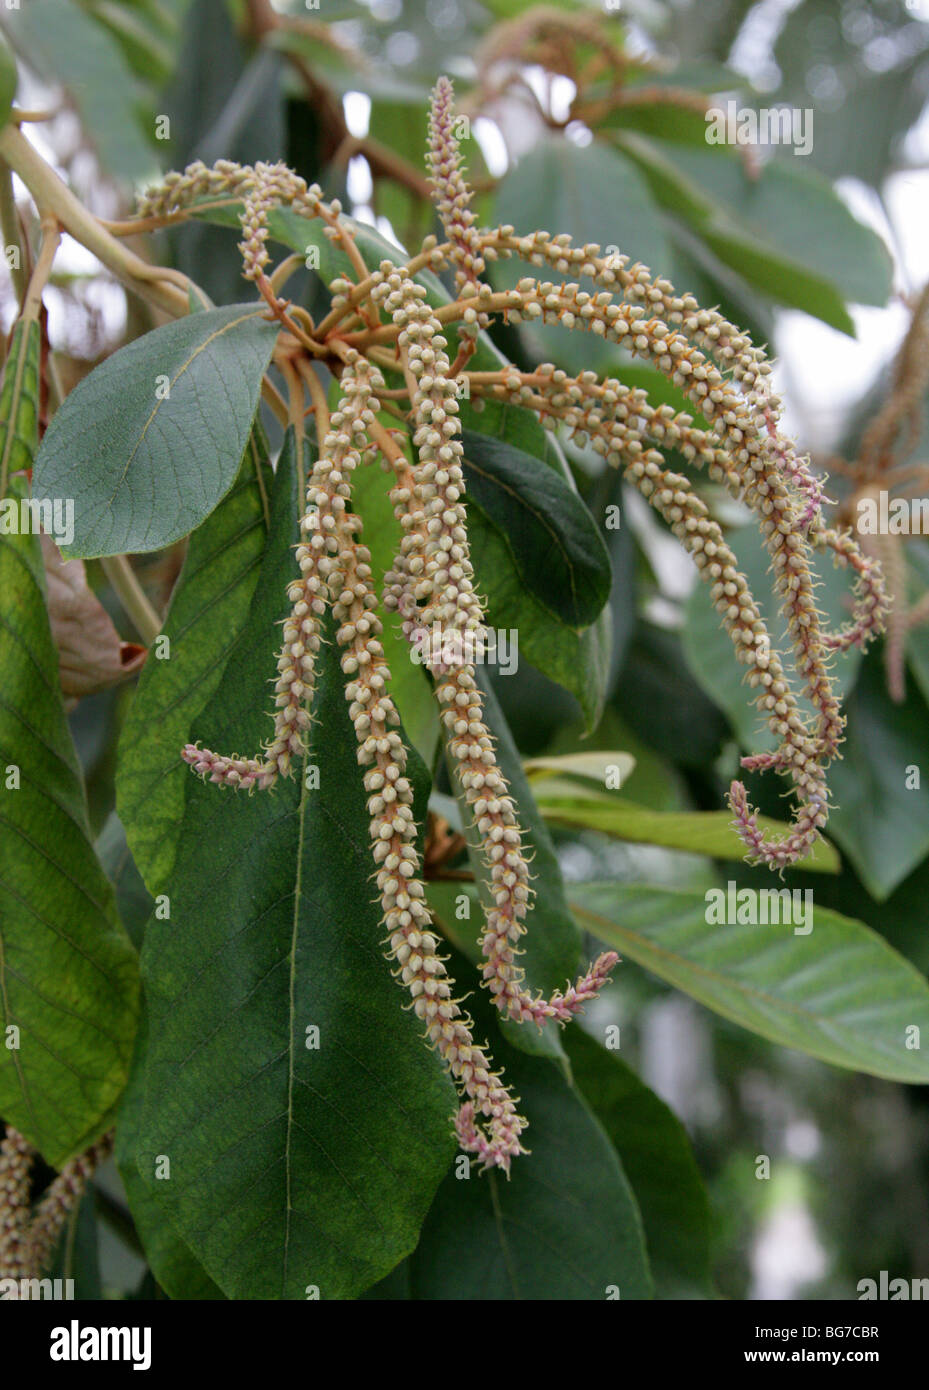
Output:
(291, 1164)
(518, 427)
(220, 108)
(840, 993)
(657, 1159)
(145, 33)
(144, 467)
(133, 900)
(863, 109)
(729, 244)
(698, 832)
(681, 124)
(880, 822)
(577, 660)
(663, 703)
(556, 547)
(68, 974)
(208, 609)
(566, 1226)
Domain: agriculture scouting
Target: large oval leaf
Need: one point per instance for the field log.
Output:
(149, 442)
(697, 832)
(556, 546)
(292, 1164)
(579, 660)
(786, 231)
(576, 657)
(840, 993)
(208, 610)
(658, 1161)
(881, 816)
(169, 1258)
(68, 974)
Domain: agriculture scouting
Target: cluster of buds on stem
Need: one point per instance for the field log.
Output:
(382, 319)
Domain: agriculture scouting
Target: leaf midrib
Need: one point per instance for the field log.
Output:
(185, 366)
(727, 982)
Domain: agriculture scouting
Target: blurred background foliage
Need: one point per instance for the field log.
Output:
(591, 120)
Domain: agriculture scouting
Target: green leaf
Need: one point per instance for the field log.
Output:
(655, 1152)
(840, 993)
(565, 1226)
(577, 660)
(64, 43)
(681, 124)
(786, 231)
(662, 703)
(880, 821)
(19, 402)
(145, 468)
(208, 611)
(291, 1165)
(68, 974)
(698, 832)
(863, 110)
(552, 945)
(219, 108)
(411, 688)
(590, 192)
(555, 544)
(8, 81)
(586, 767)
(133, 900)
(77, 1256)
(170, 1259)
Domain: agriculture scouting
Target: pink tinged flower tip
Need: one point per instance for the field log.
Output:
(228, 772)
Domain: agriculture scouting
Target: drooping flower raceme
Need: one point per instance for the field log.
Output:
(29, 1237)
(381, 320)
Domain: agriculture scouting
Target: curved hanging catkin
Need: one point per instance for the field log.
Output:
(381, 319)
